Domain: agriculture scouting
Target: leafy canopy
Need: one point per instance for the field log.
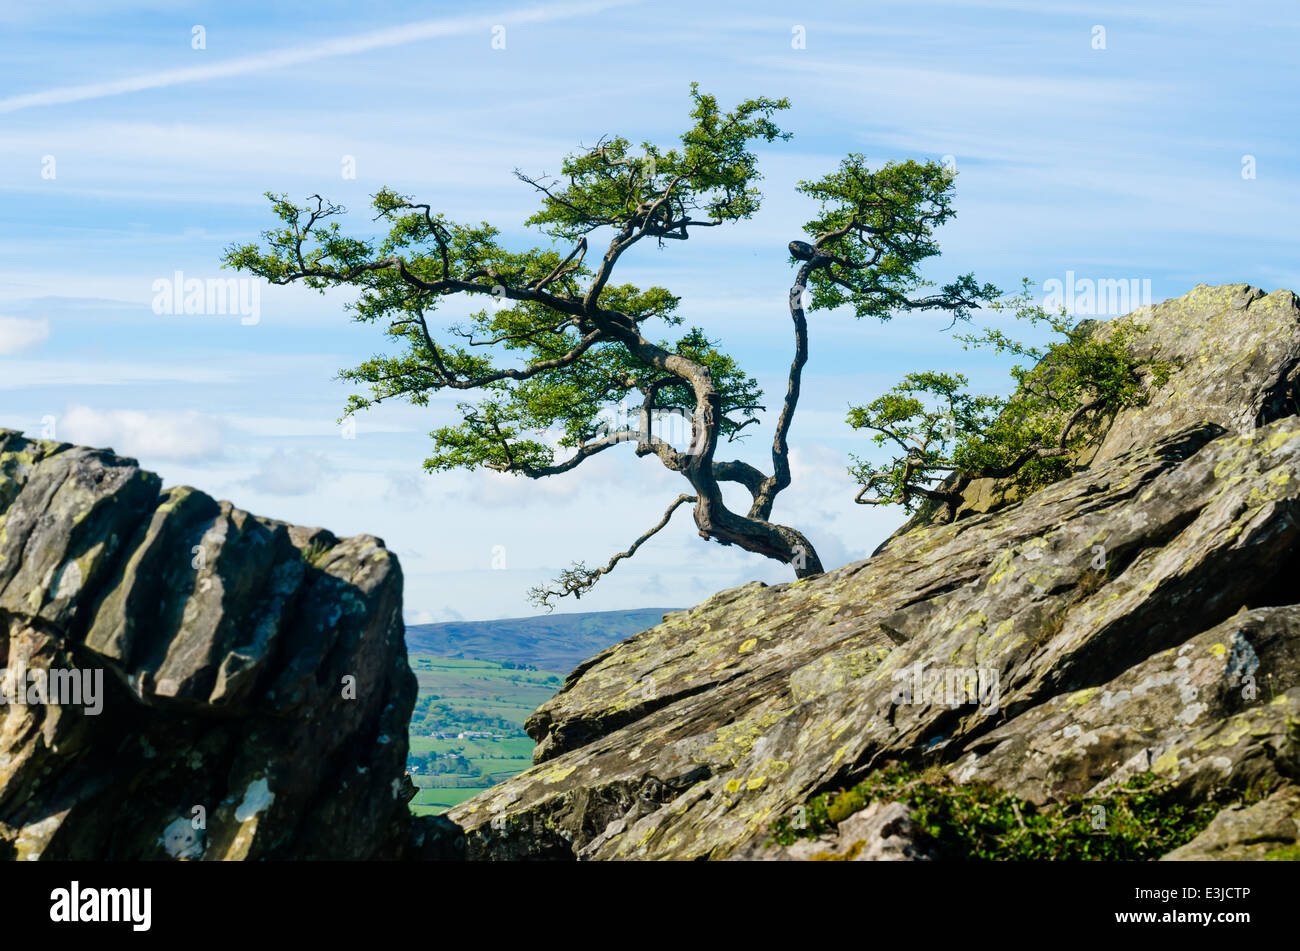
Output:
(875, 229)
(712, 174)
(537, 356)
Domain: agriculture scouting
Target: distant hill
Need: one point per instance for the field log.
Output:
(557, 642)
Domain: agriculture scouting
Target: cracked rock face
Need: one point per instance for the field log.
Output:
(1139, 615)
(250, 676)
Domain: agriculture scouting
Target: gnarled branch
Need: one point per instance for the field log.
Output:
(578, 579)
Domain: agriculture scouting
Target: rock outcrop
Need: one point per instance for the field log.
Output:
(186, 680)
(1140, 617)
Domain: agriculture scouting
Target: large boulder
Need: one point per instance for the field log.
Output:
(244, 690)
(1135, 617)
(1236, 350)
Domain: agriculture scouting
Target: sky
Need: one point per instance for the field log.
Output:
(137, 140)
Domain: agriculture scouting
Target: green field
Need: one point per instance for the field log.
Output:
(459, 695)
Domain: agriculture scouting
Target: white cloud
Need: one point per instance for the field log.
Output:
(183, 437)
(19, 333)
(297, 472)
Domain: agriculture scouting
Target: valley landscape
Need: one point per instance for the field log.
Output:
(466, 729)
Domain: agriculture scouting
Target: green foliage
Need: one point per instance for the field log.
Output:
(938, 429)
(977, 821)
(922, 417)
(713, 173)
(1081, 369)
(543, 375)
(585, 401)
(877, 227)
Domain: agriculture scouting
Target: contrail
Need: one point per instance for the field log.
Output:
(277, 59)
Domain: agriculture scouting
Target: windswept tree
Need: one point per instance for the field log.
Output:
(943, 437)
(560, 347)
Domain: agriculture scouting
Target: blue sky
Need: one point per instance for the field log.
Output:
(126, 155)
